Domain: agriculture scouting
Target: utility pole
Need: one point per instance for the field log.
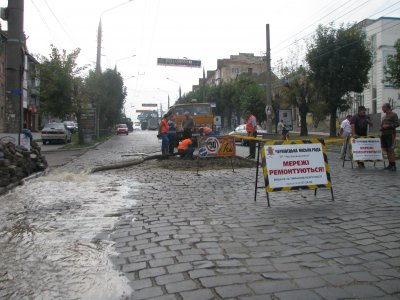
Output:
(15, 66)
(268, 108)
(98, 56)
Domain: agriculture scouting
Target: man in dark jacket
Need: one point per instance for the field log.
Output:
(359, 126)
(389, 124)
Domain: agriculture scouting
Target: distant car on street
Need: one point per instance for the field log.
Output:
(241, 130)
(70, 126)
(55, 132)
(122, 129)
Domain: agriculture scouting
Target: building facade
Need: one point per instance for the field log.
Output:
(382, 34)
(30, 93)
(3, 119)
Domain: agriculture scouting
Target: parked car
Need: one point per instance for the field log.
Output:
(70, 126)
(55, 132)
(122, 129)
(241, 130)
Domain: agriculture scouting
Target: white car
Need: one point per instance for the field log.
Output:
(241, 130)
(55, 132)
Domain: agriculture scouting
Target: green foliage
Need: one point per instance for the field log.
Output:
(107, 91)
(392, 70)
(233, 98)
(339, 61)
(57, 75)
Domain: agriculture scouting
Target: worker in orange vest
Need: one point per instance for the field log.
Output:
(186, 149)
(203, 130)
(163, 134)
(251, 128)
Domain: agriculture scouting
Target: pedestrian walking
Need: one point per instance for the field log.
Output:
(345, 132)
(251, 128)
(171, 135)
(390, 122)
(360, 124)
(187, 125)
(163, 134)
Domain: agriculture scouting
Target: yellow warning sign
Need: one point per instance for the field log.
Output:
(226, 148)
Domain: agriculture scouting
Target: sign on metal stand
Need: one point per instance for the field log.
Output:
(365, 149)
(216, 146)
(295, 165)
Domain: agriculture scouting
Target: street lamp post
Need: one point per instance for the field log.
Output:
(180, 92)
(123, 58)
(165, 92)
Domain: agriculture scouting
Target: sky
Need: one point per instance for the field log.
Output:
(137, 32)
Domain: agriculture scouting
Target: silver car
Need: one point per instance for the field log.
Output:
(55, 132)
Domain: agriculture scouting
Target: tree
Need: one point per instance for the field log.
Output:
(339, 61)
(392, 70)
(107, 91)
(57, 76)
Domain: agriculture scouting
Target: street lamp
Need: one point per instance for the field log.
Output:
(124, 58)
(100, 33)
(176, 83)
(164, 92)
(128, 77)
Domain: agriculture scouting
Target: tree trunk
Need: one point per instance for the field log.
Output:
(81, 139)
(332, 123)
(303, 124)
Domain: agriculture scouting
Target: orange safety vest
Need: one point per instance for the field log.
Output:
(206, 130)
(249, 126)
(184, 144)
(164, 127)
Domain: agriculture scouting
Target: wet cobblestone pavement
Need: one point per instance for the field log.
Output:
(176, 235)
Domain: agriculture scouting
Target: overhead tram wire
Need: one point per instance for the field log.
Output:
(349, 12)
(63, 28)
(364, 18)
(311, 25)
(307, 35)
(349, 44)
(45, 23)
(372, 33)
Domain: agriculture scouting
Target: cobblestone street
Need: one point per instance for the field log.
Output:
(204, 237)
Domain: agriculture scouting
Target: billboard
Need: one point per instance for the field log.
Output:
(178, 62)
(149, 105)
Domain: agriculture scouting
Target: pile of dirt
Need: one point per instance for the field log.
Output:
(210, 163)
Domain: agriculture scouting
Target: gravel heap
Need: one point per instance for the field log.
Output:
(16, 163)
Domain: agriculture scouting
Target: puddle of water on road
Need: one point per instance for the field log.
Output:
(47, 244)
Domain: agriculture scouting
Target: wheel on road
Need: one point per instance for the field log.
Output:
(45, 142)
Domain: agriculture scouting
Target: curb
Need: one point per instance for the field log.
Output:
(12, 186)
(72, 149)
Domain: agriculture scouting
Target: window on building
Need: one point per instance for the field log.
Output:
(250, 71)
(373, 46)
(235, 70)
(374, 106)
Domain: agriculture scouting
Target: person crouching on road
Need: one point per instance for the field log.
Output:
(205, 131)
(172, 135)
(389, 124)
(186, 149)
(251, 128)
(163, 134)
